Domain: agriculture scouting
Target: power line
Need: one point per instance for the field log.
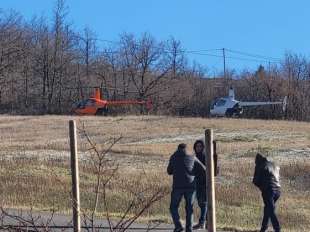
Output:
(211, 55)
(253, 55)
(108, 41)
(236, 58)
(181, 51)
(205, 52)
(252, 60)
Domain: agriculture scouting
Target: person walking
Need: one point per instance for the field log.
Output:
(201, 189)
(183, 168)
(267, 179)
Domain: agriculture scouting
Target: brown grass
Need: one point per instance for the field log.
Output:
(34, 166)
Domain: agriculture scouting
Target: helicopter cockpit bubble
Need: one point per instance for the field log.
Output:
(90, 102)
(81, 104)
(212, 104)
(220, 102)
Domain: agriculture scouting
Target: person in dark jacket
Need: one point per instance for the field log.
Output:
(183, 167)
(267, 179)
(201, 189)
(201, 185)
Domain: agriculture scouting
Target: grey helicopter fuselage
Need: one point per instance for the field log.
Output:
(229, 106)
(226, 107)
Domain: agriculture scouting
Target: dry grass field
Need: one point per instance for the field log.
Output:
(34, 163)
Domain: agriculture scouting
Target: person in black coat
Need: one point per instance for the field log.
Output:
(201, 184)
(201, 189)
(183, 168)
(267, 179)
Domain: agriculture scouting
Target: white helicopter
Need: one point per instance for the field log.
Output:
(229, 106)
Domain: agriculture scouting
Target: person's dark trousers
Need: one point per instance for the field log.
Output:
(270, 198)
(201, 195)
(176, 197)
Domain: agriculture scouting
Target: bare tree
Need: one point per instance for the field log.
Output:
(11, 51)
(145, 62)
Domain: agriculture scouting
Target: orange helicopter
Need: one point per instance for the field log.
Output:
(95, 105)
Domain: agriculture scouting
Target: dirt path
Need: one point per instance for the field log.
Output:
(61, 222)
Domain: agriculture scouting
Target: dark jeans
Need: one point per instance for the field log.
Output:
(270, 198)
(176, 197)
(201, 195)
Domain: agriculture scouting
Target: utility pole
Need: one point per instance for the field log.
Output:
(224, 62)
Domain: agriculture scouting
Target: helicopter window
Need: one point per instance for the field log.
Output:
(81, 105)
(220, 102)
(84, 103)
(89, 102)
(212, 104)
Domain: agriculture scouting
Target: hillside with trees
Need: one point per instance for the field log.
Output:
(46, 66)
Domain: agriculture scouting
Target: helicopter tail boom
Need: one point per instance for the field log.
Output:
(259, 103)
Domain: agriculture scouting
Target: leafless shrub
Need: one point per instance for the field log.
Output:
(105, 170)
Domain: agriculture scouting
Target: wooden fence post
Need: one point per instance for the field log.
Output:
(210, 180)
(75, 177)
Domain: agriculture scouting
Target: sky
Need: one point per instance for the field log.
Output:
(268, 28)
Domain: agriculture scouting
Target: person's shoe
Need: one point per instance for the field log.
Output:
(178, 229)
(199, 226)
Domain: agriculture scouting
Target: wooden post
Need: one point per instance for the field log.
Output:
(215, 158)
(210, 180)
(75, 177)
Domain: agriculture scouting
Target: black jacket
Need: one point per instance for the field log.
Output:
(184, 168)
(266, 175)
(201, 176)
